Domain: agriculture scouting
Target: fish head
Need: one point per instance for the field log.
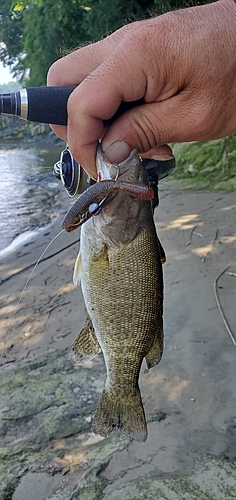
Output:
(129, 170)
(122, 215)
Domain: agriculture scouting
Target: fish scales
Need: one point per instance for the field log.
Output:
(120, 270)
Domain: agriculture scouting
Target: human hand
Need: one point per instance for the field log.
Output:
(183, 63)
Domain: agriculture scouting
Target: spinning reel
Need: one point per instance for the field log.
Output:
(71, 174)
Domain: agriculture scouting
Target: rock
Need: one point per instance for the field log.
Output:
(49, 452)
(47, 403)
(13, 128)
(212, 480)
(45, 416)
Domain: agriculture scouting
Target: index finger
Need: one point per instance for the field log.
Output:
(97, 98)
(102, 83)
(72, 70)
(75, 67)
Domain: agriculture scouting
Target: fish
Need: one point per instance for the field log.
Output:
(120, 271)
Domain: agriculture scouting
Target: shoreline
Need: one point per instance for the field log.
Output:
(31, 197)
(15, 269)
(22, 239)
(189, 398)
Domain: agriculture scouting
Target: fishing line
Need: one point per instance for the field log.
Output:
(25, 286)
(42, 260)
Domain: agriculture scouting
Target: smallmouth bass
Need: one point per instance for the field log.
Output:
(120, 271)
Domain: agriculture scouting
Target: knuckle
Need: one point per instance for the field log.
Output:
(54, 74)
(205, 120)
(135, 39)
(78, 108)
(143, 134)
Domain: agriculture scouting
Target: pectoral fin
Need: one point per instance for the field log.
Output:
(85, 347)
(155, 353)
(77, 269)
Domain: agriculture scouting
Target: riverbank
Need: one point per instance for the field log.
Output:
(205, 165)
(48, 451)
(30, 195)
(14, 129)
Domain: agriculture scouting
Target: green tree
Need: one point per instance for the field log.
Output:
(11, 37)
(105, 16)
(49, 29)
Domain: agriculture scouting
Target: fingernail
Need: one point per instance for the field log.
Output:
(162, 157)
(117, 152)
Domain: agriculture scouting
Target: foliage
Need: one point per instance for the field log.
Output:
(49, 28)
(34, 33)
(11, 26)
(205, 165)
(105, 16)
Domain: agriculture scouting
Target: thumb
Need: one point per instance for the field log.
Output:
(118, 151)
(150, 126)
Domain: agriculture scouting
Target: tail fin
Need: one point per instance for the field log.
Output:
(126, 414)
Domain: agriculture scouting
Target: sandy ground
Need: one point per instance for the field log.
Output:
(194, 385)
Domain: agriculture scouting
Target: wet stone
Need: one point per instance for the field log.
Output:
(38, 409)
(48, 451)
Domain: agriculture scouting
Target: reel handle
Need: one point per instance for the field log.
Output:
(48, 105)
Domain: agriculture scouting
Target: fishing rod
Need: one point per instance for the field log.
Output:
(48, 105)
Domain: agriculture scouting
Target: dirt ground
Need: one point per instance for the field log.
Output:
(193, 387)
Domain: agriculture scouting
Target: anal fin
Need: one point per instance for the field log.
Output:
(154, 355)
(86, 346)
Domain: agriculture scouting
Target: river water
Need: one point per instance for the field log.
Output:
(30, 196)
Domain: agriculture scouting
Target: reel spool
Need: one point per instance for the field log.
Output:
(71, 174)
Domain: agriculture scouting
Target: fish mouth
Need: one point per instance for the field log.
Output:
(111, 171)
